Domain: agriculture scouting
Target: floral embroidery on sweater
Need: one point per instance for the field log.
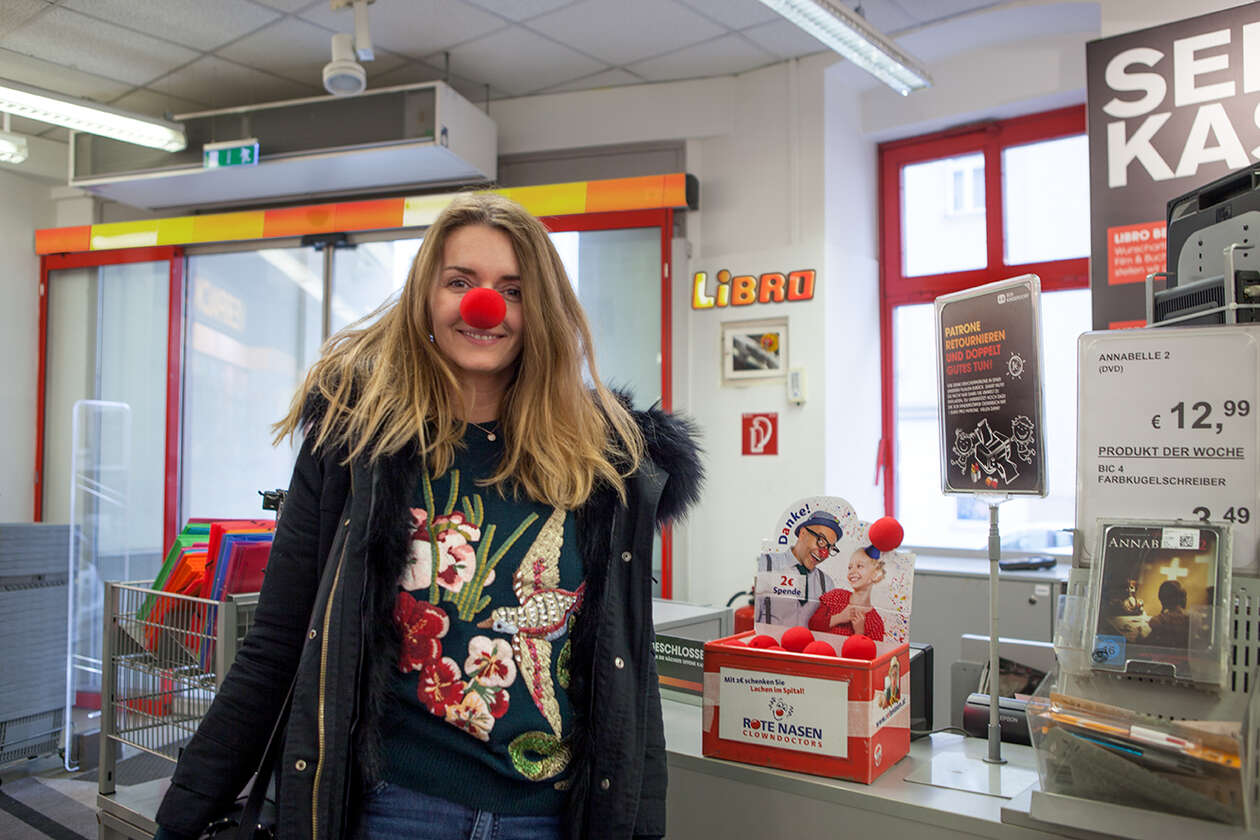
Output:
(452, 560)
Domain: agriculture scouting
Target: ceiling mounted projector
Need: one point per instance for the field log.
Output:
(344, 75)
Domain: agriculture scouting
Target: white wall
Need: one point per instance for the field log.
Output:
(24, 206)
(757, 144)
(786, 158)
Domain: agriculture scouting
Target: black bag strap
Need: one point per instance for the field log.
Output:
(272, 500)
(258, 789)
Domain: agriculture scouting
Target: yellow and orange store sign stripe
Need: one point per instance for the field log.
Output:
(617, 194)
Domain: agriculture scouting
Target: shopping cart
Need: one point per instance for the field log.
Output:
(164, 656)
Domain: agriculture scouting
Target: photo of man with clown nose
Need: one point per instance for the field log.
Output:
(816, 539)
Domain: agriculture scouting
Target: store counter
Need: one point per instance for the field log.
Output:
(713, 798)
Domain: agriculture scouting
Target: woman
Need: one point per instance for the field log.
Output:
(849, 612)
(461, 579)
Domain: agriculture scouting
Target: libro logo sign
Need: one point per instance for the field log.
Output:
(746, 289)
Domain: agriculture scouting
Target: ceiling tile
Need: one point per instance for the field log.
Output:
(1000, 26)
(414, 72)
(784, 39)
(923, 11)
(14, 13)
(517, 61)
(719, 57)
(293, 5)
(157, 104)
(886, 16)
(65, 37)
(297, 50)
(615, 77)
(410, 73)
(736, 14)
(414, 28)
(194, 23)
(224, 84)
(519, 10)
(619, 32)
(54, 77)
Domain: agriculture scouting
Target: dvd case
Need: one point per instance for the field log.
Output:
(1159, 596)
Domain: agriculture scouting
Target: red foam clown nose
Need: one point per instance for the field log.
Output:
(483, 309)
(885, 533)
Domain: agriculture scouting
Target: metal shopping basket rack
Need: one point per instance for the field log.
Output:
(164, 656)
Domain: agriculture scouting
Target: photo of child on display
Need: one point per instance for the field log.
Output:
(850, 612)
(826, 570)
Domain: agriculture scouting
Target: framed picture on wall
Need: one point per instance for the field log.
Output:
(754, 350)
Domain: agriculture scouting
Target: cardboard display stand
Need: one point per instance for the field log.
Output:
(843, 718)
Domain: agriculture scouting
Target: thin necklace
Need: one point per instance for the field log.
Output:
(490, 435)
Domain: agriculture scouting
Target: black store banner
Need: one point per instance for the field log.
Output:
(989, 375)
(1169, 109)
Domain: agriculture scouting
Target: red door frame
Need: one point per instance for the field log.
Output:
(661, 218)
(174, 348)
(664, 219)
(991, 138)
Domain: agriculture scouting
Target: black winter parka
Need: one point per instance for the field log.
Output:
(325, 614)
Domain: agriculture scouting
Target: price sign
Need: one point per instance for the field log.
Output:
(1167, 429)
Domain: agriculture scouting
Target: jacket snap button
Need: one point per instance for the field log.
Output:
(300, 765)
(604, 784)
(625, 555)
(311, 634)
(619, 662)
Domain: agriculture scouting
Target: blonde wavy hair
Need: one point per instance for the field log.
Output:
(387, 385)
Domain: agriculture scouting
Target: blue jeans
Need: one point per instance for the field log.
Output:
(392, 811)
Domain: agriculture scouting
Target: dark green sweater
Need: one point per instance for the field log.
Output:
(484, 611)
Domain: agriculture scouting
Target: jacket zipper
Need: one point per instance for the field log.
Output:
(323, 677)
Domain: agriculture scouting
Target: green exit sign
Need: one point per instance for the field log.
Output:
(230, 153)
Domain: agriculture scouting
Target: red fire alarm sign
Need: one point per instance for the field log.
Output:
(761, 434)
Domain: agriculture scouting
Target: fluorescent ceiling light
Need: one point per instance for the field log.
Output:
(12, 147)
(46, 106)
(852, 37)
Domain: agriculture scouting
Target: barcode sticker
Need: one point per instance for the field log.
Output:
(1179, 538)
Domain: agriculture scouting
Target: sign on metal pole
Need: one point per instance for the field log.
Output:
(990, 392)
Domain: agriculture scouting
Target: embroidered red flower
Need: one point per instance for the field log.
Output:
(457, 560)
(420, 624)
(499, 703)
(419, 571)
(440, 685)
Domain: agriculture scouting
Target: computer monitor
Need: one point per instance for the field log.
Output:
(1213, 272)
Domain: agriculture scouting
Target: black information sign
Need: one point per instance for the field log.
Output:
(989, 389)
(680, 663)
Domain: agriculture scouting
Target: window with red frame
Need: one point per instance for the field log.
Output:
(958, 209)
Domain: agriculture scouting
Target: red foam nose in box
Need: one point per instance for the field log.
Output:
(843, 718)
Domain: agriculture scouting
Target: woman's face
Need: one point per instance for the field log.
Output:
(862, 570)
(477, 256)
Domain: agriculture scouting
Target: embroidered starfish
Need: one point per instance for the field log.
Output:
(542, 617)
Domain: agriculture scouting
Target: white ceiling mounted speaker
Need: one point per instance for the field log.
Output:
(343, 76)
